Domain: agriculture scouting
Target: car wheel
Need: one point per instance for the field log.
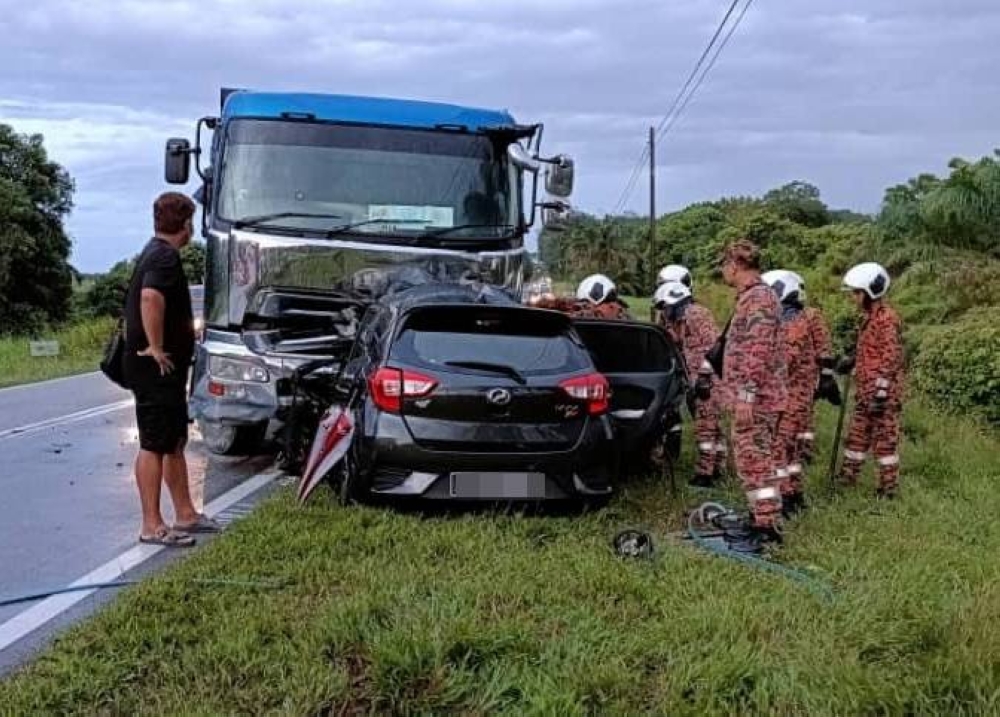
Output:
(223, 440)
(347, 484)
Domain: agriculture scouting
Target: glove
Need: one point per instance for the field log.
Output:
(845, 365)
(879, 403)
(828, 389)
(703, 386)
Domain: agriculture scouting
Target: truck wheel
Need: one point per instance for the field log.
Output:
(225, 440)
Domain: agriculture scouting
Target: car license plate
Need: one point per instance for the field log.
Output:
(498, 485)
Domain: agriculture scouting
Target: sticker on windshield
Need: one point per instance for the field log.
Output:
(428, 215)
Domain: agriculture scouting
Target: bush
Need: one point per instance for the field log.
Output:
(106, 297)
(959, 365)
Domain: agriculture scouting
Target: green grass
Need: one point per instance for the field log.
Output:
(81, 346)
(393, 613)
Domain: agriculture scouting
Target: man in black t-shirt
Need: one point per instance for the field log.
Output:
(159, 342)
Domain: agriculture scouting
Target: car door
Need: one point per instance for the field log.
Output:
(646, 373)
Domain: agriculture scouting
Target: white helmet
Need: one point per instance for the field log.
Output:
(596, 289)
(786, 284)
(869, 277)
(674, 272)
(670, 294)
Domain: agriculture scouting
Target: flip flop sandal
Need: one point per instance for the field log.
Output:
(203, 524)
(167, 538)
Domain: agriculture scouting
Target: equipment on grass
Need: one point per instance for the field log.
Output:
(713, 527)
(632, 543)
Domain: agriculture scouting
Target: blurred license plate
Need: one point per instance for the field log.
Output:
(506, 486)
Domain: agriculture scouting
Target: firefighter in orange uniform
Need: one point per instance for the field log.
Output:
(878, 375)
(753, 378)
(800, 363)
(693, 328)
(826, 381)
(596, 298)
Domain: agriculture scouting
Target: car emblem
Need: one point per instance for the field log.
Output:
(498, 396)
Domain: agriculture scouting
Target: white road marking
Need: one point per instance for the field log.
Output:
(83, 415)
(48, 381)
(34, 617)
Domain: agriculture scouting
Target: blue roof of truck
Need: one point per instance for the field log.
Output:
(363, 110)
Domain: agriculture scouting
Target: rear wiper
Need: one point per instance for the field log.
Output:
(449, 230)
(497, 368)
(264, 218)
(354, 225)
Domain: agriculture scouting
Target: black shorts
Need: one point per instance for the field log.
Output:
(162, 414)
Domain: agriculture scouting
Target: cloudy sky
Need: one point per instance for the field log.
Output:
(852, 95)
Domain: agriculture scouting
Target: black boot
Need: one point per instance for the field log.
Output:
(746, 540)
(792, 504)
(700, 480)
(770, 536)
(886, 494)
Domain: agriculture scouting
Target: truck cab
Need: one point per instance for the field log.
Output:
(313, 204)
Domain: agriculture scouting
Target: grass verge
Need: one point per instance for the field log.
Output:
(392, 613)
(80, 345)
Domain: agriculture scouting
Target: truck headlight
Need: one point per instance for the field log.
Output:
(230, 369)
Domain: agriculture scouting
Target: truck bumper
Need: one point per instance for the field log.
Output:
(233, 402)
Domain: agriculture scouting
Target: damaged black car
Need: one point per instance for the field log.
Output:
(458, 393)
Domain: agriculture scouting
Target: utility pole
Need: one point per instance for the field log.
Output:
(652, 209)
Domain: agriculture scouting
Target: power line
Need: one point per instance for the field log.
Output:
(637, 169)
(632, 179)
(708, 68)
(681, 101)
(697, 66)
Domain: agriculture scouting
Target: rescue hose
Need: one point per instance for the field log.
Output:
(814, 585)
(29, 597)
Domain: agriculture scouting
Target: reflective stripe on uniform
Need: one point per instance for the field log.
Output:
(795, 469)
(767, 493)
(677, 429)
(809, 436)
(721, 448)
(854, 456)
(782, 473)
(706, 447)
(888, 460)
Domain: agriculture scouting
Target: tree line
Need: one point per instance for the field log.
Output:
(939, 237)
(39, 288)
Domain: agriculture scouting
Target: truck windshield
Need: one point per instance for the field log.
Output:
(385, 180)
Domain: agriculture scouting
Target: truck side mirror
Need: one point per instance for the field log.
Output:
(559, 176)
(554, 215)
(177, 161)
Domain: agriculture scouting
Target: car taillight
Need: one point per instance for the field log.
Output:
(592, 388)
(389, 386)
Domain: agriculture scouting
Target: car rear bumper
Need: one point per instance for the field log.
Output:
(402, 469)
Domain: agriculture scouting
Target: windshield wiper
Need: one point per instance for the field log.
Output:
(264, 218)
(449, 230)
(354, 225)
(497, 368)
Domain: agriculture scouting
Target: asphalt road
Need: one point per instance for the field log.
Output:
(69, 499)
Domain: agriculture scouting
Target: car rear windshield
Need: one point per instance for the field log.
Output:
(444, 340)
